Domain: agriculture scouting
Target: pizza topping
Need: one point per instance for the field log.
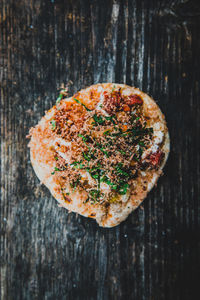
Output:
(69, 118)
(133, 100)
(101, 150)
(155, 159)
(56, 169)
(78, 101)
(112, 101)
(53, 124)
(59, 98)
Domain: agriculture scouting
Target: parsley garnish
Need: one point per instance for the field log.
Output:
(111, 119)
(87, 156)
(104, 152)
(123, 188)
(55, 170)
(59, 98)
(98, 120)
(106, 132)
(78, 101)
(74, 183)
(113, 88)
(119, 169)
(78, 165)
(135, 157)
(108, 182)
(141, 143)
(94, 195)
(53, 124)
(83, 137)
(121, 151)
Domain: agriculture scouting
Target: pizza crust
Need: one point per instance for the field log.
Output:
(43, 161)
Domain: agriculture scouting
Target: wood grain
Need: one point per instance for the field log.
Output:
(47, 253)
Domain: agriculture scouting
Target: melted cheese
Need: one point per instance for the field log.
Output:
(62, 142)
(158, 136)
(100, 103)
(105, 188)
(158, 132)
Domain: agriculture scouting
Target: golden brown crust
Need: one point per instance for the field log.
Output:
(42, 156)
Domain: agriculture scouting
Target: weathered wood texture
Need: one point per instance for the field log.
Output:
(47, 253)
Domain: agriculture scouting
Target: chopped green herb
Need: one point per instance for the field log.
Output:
(78, 165)
(150, 130)
(83, 137)
(141, 143)
(111, 119)
(140, 151)
(104, 152)
(107, 181)
(135, 157)
(53, 124)
(121, 151)
(74, 183)
(59, 98)
(114, 187)
(95, 176)
(56, 158)
(98, 120)
(55, 170)
(119, 169)
(113, 88)
(102, 149)
(106, 132)
(64, 193)
(88, 198)
(94, 195)
(123, 189)
(87, 156)
(78, 101)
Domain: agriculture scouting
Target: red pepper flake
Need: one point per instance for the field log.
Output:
(134, 99)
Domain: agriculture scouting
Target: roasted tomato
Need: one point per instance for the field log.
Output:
(133, 99)
(155, 159)
(112, 101)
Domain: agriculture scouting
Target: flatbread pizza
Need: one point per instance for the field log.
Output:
(101, 151)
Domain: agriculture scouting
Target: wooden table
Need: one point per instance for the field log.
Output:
(47, 253)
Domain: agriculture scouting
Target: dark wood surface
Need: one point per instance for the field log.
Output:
(47, 253)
